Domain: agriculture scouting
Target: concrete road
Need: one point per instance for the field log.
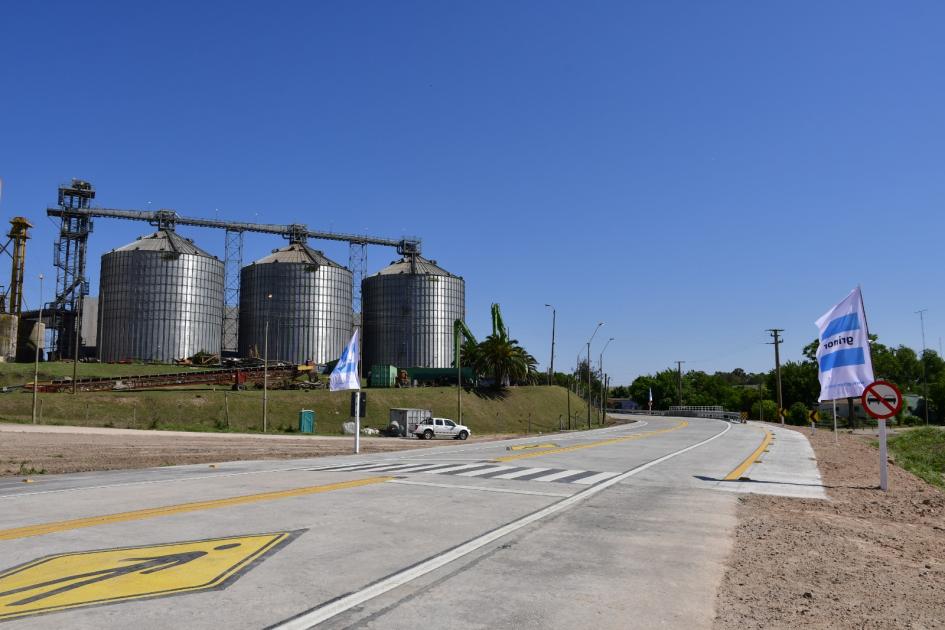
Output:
(624, 527)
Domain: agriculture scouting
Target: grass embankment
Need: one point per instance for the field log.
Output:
(921, 452)
(514, 411)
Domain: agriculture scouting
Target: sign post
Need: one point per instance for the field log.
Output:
(814, 416)
(882, 400)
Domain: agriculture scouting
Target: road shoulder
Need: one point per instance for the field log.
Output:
(863, 559)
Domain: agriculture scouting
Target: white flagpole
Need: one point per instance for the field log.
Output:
(835, 438)
(357, 421)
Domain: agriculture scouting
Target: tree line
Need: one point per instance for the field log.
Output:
(755, 393)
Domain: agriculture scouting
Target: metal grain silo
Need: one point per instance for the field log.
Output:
(309, 312)
(409, 310)
(161, 299)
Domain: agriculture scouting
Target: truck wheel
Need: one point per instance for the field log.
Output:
(463, 435)
(428, 434)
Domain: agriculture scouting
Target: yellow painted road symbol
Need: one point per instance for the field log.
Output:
(86, 578)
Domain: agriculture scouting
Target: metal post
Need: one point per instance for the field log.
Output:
(39, 340)
(551, 369)
(568, 393)
(883, 466)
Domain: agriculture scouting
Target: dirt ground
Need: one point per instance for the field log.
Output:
(864, 559)
(78, 449)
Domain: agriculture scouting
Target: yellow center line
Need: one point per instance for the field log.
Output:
(181, 508)
(578, 447)
(745, 465)
(523, 447)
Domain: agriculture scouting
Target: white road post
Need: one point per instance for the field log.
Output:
(883, 472)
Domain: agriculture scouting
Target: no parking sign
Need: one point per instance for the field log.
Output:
(882, 400)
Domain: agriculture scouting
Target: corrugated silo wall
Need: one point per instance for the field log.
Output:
(159, 306)
(408, 319)
(309, 314)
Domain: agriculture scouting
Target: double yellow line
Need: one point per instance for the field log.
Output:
(578, 447)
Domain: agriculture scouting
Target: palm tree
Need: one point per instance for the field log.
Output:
(505, 360)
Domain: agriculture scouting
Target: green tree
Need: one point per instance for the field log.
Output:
(505, 361)
(797, 414)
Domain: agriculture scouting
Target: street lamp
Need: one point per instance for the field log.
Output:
(39, 340)
(551, 370)
(266, 367)
(599, 324)
(602, 378)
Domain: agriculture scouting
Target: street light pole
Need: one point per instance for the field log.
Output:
(551, 370)
(266, 368)
(602, 377)
(39, 340)
(589, 396)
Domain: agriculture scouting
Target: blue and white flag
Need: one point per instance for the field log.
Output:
(843, 356)
(345, 375)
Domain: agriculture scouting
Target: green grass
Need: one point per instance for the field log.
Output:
(921, 452)
(20, 373)
(206, 409)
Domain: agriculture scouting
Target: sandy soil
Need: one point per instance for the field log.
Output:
(28, 451)
(864, 559)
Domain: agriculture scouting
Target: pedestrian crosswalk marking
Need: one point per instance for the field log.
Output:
(478, 470)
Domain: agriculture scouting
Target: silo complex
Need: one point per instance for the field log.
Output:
(309, 313)
(161, 299)
(409, 310)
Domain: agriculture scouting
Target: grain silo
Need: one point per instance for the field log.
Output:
(309, 313)
(161, 299)
(409, 310)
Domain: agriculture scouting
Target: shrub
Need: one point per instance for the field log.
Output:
(797, 414)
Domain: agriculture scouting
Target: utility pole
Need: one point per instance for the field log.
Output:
(776, 335)
(679, 365)
(551, 370)
(925, 376)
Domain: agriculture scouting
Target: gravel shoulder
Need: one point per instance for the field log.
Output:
(863, 559)
(31, 450)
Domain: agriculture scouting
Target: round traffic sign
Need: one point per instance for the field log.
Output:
(882, 400)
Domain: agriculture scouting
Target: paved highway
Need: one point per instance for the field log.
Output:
(622, 527)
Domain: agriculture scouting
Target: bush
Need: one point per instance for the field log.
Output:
(769, 407)
(912, 421)
(797, 414)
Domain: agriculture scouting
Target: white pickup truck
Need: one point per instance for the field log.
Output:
(441, 428)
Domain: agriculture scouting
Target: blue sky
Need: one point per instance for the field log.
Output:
(691, 173)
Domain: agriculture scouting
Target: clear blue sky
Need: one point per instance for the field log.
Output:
(691, 173)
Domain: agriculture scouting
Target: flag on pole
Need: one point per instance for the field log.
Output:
(843, 353)
(345, 375)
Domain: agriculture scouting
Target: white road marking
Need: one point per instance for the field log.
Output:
(587, 481)
(480, 488)
(452, 468)
(330, 609)
(520, 473)
(558, 475)
(485, 471)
